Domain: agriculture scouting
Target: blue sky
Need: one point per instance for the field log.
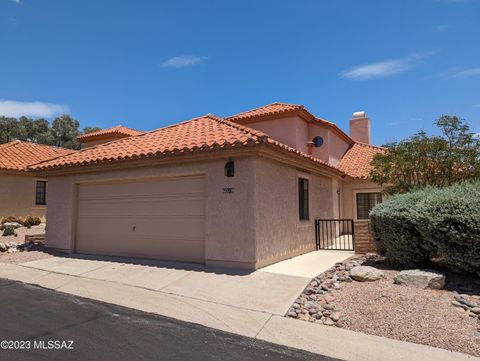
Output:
(146, 64)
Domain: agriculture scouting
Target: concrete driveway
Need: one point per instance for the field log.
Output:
(270, 290)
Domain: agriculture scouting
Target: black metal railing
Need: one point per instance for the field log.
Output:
(335, 234)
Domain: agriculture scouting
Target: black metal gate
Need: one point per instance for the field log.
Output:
(335, 234)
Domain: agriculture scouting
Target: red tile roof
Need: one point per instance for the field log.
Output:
(357, 161)
(18, 155)
(270, 109)
(198, 134)
(285, 108)
(118, 130)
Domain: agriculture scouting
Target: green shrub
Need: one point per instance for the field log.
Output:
(411, 228)
(29, 221)
(394, 225)
(450, 222)
(9, 231)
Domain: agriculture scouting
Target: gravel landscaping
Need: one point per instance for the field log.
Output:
(22, 232)
(23, 254)
(446, 318)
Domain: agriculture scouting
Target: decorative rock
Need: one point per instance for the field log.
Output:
(292, 314)
(366, 273)
(12, 224)
(475, 310)
(464, 299)
(421, 279)
(327, 321)
(335, 316)
(458, 304)
(329, 298)
(329, 307)
(296, 305)
(304, 317)
(3, 247)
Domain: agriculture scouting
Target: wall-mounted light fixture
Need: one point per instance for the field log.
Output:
(230, 168)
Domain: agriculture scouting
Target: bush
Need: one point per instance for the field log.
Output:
(451, 224)
(37, 221)
(12, 219)
(394, 225)
(411, 228)
(9, 231)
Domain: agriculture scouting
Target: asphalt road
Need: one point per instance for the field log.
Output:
(45, 323)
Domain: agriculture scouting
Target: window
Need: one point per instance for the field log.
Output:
(365, 203)
(41, 193)
(303, 199)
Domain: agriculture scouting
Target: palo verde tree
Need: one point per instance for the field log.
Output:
(422, 160)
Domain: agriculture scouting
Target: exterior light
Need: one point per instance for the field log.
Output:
(229, 168)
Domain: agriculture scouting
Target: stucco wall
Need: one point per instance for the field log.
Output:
(289, 130)
(279, 232)
(296, 132)
(230, 233)
(17, 196)
(348, 195)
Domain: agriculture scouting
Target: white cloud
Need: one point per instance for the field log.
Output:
(441, 28)
(182, 61)
(385, 68)
(16, 1)
(456, 73)
(476, 105)
(467, 73)
(12, 108)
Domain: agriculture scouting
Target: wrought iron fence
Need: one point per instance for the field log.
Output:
(335, 234)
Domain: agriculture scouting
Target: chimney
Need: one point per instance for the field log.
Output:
(360, 127)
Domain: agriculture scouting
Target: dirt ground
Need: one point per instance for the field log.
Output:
(404, 313)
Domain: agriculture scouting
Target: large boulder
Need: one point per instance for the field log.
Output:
(14, 225)
(366, 273)
(421, 279)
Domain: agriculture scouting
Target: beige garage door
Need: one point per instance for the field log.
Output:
(162, 219)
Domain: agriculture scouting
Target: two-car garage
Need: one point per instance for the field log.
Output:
(151, 218)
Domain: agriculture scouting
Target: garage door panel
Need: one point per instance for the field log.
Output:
(148, 188)
(142, 207)
(158, 229)
(125, 219)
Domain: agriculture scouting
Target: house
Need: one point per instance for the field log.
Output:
(242, 191)
(21, 192)
(106, 135)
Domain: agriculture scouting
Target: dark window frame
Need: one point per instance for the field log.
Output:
(371, 199)
(303, 199)
(41, 193)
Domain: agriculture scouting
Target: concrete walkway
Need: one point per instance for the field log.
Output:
(309, 264)
(247, 304)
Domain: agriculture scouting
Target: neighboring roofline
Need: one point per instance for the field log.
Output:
(24, 170)
(299, 110)
(105, 133)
